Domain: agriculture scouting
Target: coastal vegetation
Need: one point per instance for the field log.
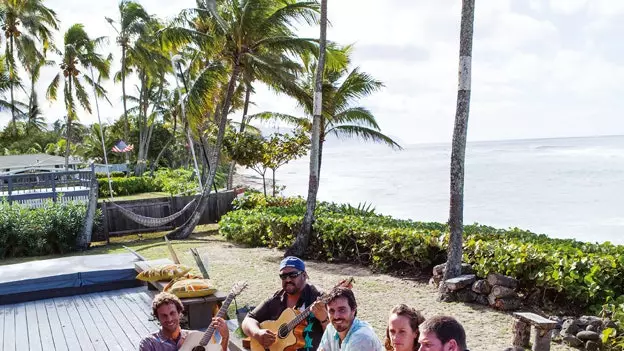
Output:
(552, 272)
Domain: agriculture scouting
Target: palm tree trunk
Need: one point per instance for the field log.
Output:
(458, 155)
(230, 182)
(11, 81)
(123, 92)
(187, 228)
(303, 237)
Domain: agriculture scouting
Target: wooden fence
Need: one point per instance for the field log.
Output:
(33, 189)
(116, 223)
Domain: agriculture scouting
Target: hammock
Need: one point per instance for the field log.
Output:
(152, 221)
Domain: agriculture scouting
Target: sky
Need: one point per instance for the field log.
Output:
(541, 68)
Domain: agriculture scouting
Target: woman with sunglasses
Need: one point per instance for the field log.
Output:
(296, 293)
(402, 329)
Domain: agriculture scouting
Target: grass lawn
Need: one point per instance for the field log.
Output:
(376, 294)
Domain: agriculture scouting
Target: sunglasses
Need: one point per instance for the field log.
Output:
(291, 275)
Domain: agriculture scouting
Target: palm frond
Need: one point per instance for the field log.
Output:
(366, 134)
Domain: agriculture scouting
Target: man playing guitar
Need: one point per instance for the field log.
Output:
(167, 308)
(295, 293)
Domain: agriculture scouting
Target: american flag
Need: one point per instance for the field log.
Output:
(122, 147)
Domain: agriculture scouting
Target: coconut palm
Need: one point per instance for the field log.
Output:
(458, 153)
(235, 33)
(25, 22)
(131, 25)
(78, 56)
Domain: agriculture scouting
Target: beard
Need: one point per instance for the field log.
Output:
(341, 325)
(290, 288)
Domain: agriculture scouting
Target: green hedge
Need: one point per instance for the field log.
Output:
(123, 186)
(583, 273)
(51, 229)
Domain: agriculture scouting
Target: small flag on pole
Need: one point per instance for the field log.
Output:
(122, 147)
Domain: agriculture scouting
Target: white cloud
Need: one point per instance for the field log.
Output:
(554, 69)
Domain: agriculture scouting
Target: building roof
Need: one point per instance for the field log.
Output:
(33, 160)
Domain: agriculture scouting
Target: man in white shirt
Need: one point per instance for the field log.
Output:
(346, 332)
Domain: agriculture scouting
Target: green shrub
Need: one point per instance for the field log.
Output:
(123, 186)
(612, 337)
(181, 181)
(584, 274)
(51, 229)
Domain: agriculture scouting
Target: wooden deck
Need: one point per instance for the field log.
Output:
(112, 320)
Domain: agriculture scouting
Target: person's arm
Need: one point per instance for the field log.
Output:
(220, 325)
(320, 313)
(251, 327)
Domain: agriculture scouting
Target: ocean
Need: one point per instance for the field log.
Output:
(564, 188)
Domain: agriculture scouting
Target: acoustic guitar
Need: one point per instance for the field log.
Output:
(199, 341)
(289, 333)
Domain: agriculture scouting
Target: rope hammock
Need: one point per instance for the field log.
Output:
(152, 222)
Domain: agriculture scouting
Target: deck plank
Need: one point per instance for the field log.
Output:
(34, 338)
(99, 323)
(140, 311)
(54, 323)
(2, 312)
(115, 327)
(66, 325)
(129, 315)
(120, 317)
(95, 334)
(77, 321)
(21, 328)
(43, 324)
(9, 329)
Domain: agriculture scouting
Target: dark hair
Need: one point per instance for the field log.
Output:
(446, 329)
(165, 298)
(415, 319)
(339, 292)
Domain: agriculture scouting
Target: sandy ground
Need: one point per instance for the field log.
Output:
(486, 329)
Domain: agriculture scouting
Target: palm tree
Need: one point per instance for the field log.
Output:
(251, 30)
(78, 53)
(303, 237)
(132, 24)
(24, 22)
(35, 121)
(458, 153)
(151, 65)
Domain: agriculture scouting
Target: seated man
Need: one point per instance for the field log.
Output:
(167, 308)
(346, 332)
(442, 333)
(295, 293)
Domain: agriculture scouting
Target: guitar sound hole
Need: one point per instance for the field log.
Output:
(282, 332)
(199, 348)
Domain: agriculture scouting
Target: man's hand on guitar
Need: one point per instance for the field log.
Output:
(220, 325)
(320, 310)
(265, 337)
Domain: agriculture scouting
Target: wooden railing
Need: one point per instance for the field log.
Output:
(34, 189)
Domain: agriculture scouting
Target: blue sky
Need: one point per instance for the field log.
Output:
(541, 68)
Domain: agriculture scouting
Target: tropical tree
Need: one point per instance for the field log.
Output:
(78, 56)
(251, 30)
(131, 25)
(151, 65)
(25, 22)
(458, 153)
(303, 237)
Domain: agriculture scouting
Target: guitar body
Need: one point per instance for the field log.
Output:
(192, 341)
(289, 342)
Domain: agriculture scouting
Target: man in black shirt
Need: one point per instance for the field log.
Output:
(296, 293)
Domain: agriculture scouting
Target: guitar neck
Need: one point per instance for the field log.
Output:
(300, 318)
(222, 311)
